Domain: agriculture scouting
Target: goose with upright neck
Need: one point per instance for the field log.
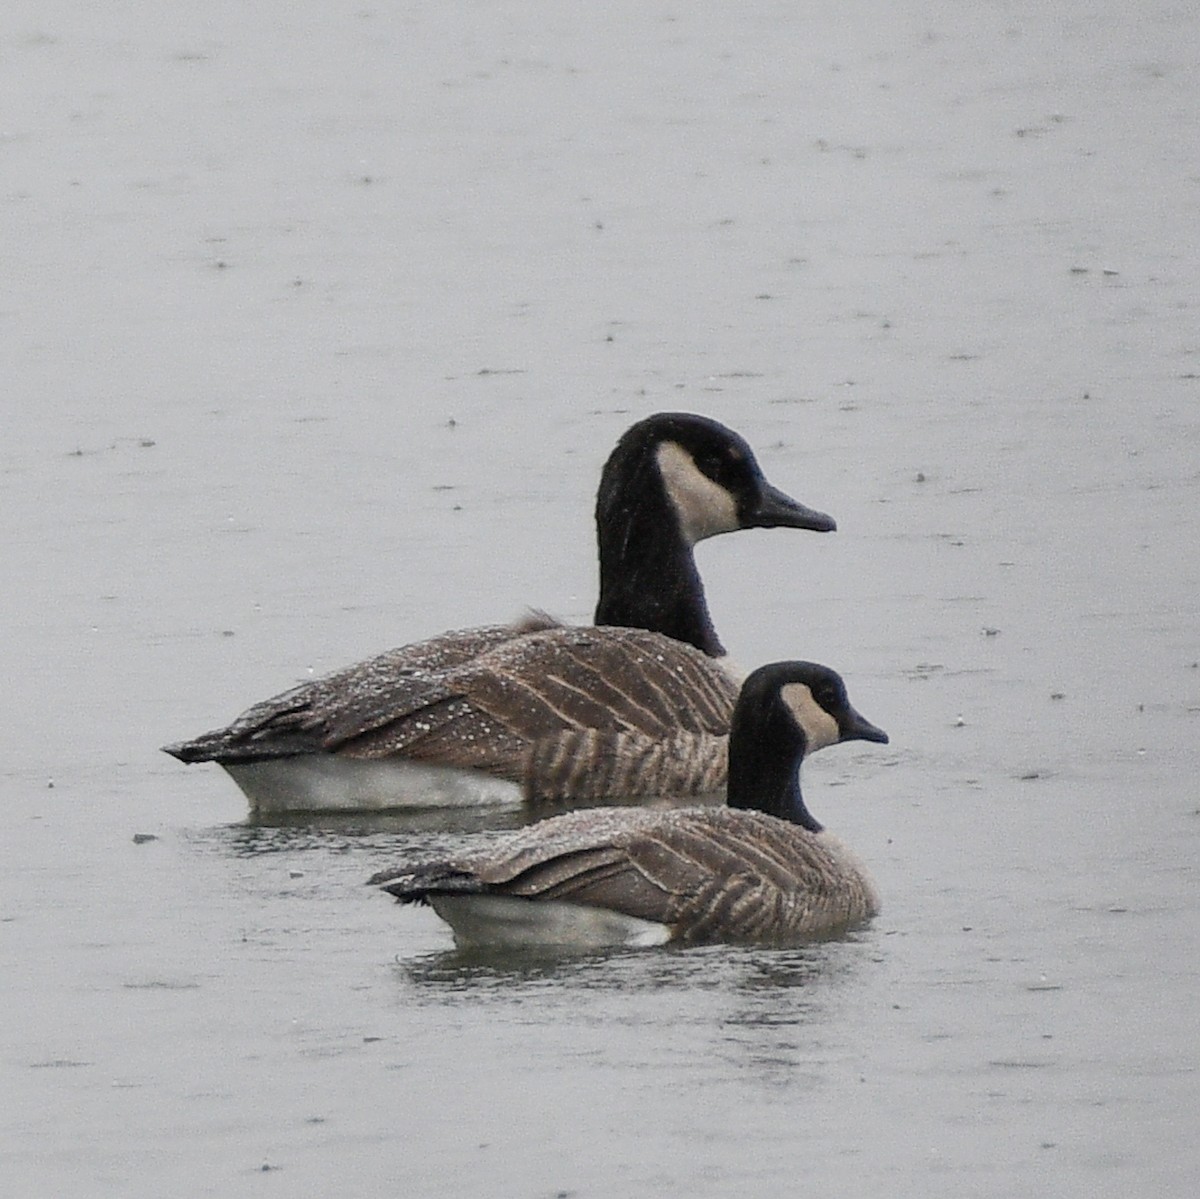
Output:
(762, 868)
(636, 705)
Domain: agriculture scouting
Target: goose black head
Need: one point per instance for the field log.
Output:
(787, 710)
(672, 480)
(713, 481)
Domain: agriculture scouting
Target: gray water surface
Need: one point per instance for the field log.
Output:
(319, 321)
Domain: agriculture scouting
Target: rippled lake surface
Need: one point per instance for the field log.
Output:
(319, 321)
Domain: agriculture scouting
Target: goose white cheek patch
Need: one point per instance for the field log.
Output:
(819, 727)
(704, 508)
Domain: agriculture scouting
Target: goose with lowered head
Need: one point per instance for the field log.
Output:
(759, 869)
(636, 705)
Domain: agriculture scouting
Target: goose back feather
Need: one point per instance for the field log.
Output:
(577, 712)
(699, 874)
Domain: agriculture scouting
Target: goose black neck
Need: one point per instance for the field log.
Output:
(648, 575)
(765, 751)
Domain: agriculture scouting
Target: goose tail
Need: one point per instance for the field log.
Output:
(415, 884)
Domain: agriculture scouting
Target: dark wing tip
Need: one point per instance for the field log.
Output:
(186, 751)
(415, 883)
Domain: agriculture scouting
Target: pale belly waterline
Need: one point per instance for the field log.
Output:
(516, 923)
(331, 783)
